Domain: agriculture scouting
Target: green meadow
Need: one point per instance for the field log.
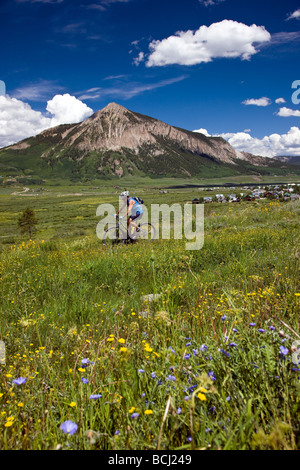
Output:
(209, 362)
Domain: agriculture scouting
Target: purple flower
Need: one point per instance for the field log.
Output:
(141, 371)
(189, 439)
(135, 415)
(261, 330)
(228, 399)
(211, 375)
(69, 427)
(187, 356)
(234, 329)
(20, 381)
(251, 324)
(233, 345)
(171, 349)
(283, 351)
(223, 318)
(153, 375)
(188, 344)
(203, 347)
(117, 433)
(95, 397)
(179, 411)
(207, 430)
(84, 380)
(171, 377)
(225, 352)
(85, 361)
(187, 398)
(272, 328)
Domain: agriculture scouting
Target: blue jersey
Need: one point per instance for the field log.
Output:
(136, 206)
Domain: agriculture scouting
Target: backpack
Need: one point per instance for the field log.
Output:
(139, 200)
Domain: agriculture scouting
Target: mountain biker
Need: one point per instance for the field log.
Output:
(134, 208)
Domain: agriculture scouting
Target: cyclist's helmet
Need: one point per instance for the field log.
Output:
(124, 194)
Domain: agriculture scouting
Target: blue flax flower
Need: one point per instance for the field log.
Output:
(20, 381)
(95, 397)
(69, 427)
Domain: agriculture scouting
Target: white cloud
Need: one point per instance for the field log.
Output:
(209, 3)
(269, 146)
(280, 101)
(41, 90)
(226, 39)
(294, 15)
(67, 109)
(258, 102)
(19, 121)
(203, 131)
(287, 112)
(137, 60)
(126, 90)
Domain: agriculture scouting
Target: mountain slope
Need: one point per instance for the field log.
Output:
(117, 142)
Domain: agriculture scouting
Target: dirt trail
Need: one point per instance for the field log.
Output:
(16, 193)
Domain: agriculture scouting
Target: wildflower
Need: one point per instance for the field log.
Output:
(187, 356)
(235, 330)
(117, 432)
(272, 328)
(69, 427)
(153, 375)
(223, 318)
(195, 351)
(179, 411)
(123, 349)
(141, 371)
(233, 345)
(201, 397)
(171, 349)
(188, 344)
(135, 415)
(171, 377)
(251, 324)
(211, 375)
(72, 404)
(121, 340)
(283, 351)
(148, 412)
(84, 380)
(225, 352)
(261, 330)
(95, 397)
(189, 439)
(85, 361)
(228, 398)
(203, 347)
(20, 381)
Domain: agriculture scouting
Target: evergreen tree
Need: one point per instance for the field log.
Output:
(27, 222)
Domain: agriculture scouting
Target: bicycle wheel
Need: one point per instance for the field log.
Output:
(147, 232)
(113, 236)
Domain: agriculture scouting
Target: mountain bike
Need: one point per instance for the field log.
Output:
(118, 233)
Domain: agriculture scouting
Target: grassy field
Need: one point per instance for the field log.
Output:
(91, 365)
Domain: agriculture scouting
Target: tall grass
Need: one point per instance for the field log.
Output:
(214, 349)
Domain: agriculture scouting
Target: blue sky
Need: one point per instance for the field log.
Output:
(212, 65)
